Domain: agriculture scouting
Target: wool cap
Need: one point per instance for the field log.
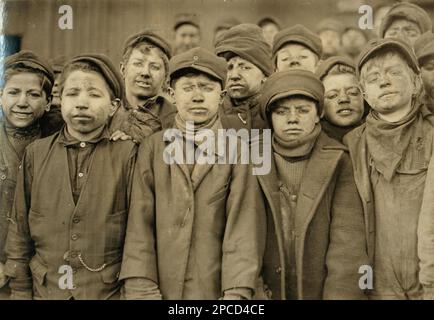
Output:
(247, 41)
(288, 83)
(424, 46)
(27, 58)
(374, 45)
(407, 11)
(150, 36)
(330, 24)
(186, 18)
(298, 34)
(199, 59)
(326, 65)
(106, 68)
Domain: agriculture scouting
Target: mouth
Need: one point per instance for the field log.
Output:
(293, 130)
(22, 115)
(236, 86)
(198, 110)
(388, 94)
(143, 84)
(345, 112)
(82, 117)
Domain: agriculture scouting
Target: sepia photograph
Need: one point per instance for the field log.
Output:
(229, 151)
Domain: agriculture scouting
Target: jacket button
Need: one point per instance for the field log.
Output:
(76, 220)
(73, 288)
(82, 144)
(73, 254)
(278, 270)
(3, 177)
(74, 237)
(293, 197)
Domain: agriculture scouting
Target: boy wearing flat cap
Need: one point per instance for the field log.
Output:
(406, 21)
(391, 153)
(145, 70)
(330, 31)
(195, 229)
(270, 27)
(315, 231)
(344, 107)
(424, 49)
(296, 48)
(249, 63)
(187, 32)
(68, 221)
(25, 96)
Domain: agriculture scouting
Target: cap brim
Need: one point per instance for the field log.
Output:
(203, 69)
(290, 93)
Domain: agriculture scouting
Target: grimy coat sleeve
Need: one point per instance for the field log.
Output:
(139, 265)
(19, 245)
(245, 232)
(347, 250)
(425, 234)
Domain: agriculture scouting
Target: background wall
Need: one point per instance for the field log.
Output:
(103, 25)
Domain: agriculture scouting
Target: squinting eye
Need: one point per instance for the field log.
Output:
(155, 67)
(187, 89)
(137, 64)
(303, 111)
(331, 96)
(35, 95)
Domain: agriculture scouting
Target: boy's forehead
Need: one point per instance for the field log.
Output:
(403, 22)
(293, 101)
(86, 78)
(198, 77)
(384, 60)
(145, 51)
(239, 60)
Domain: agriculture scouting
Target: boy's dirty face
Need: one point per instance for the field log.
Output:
(331, 41)
(427, 71)
(23, 100)
(244, 79)
(296, 56)
(404, 29)
(343, 101)
(144, 73)
(293, 118)
(197, 97)
(388, 83)
(85, 102)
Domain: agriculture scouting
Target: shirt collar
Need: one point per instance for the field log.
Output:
(68, 140)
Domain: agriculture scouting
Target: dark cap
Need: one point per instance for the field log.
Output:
(151, 37)
(201, 60)
(288, 83)
(424, 46)
(298, 34)
(28, 59)
(407, 11)
(247, 41)
(326, 65)
(374, 45)
(107, 69)
(186, 18)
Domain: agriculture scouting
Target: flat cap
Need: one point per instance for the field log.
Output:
(284, 84)
(298, 34)
(424, 46)
(107, 69)
(374, 45)
(27, 58)
(247, 41)
(408, 11)
(201, 60)
(186, 18)
(151, 37)
(326, 65)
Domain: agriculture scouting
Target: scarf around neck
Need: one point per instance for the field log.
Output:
(298, 149)
(213, 125)
(388, 141)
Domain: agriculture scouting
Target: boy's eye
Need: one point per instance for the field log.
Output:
(245, 68)
(155, 67)
(35, 94)
(353, 92)
(372, 78)
(138, 64)
(331, 96)
(188, 88)
(303, 110)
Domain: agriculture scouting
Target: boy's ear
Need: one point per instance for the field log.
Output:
(122, 69)
(48, 106)
(171, 92)
(114, 105)
(222, 96)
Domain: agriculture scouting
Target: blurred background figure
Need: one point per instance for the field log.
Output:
(406, 21)
(353, 40)
(270, 26)
(187, 32)
(330, 31)
(380, 11)
(424, 49)
(57, 64)
(224, 24)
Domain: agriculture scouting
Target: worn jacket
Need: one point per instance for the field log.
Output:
(50, 231)
(195, 236)
(330, 242)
